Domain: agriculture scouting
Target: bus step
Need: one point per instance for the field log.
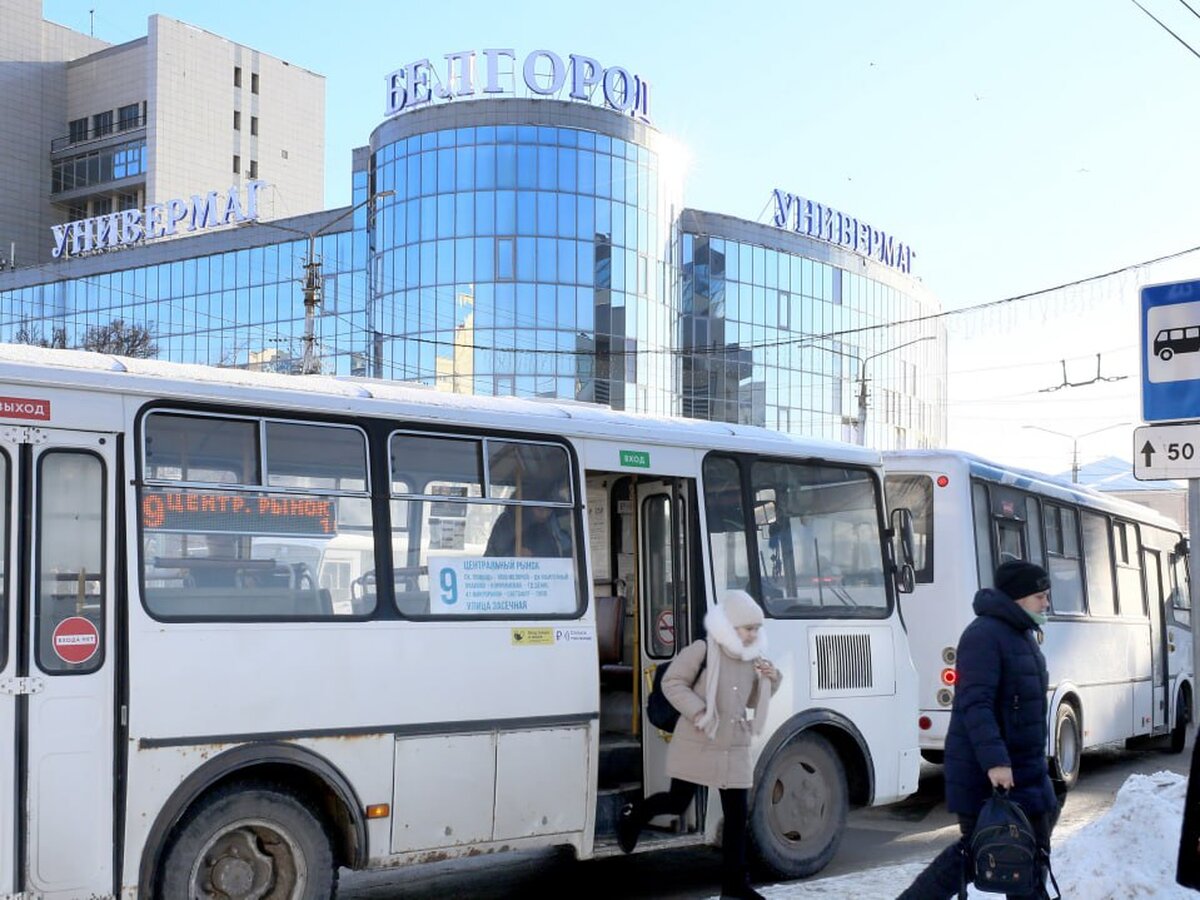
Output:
(608, 805)
(620, 760)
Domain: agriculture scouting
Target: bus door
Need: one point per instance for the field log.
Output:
(671, 607)
(58, 684)
(1155, 597)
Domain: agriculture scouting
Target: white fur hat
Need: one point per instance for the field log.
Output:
(740, 609)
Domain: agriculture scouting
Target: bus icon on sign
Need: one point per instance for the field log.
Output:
(1172, 336)
(1170, 341)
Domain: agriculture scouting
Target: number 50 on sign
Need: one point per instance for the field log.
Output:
(1164, 452)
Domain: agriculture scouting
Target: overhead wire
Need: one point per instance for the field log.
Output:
(1167, 28)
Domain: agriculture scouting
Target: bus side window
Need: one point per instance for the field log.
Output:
(1063, 559)
(983, 533)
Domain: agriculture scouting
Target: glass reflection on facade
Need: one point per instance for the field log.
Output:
(530, 248)
(240, 308)
(526, 260)
(777, 339)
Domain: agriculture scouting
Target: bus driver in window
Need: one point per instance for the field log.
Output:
(544, 532)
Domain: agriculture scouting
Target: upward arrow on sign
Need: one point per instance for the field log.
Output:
(1148, 452)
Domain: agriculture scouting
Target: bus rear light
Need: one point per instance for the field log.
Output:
(949, 677)
(924, 723)
(945, 697)
(949, 655)
(379, 811)
(942, 481)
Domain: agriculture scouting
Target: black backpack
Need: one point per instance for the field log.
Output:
(659, 711)
(1003, 851)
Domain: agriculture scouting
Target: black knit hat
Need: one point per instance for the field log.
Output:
(1018, 578)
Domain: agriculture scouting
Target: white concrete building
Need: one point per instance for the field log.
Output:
(92, 128)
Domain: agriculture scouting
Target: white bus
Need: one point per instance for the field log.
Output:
(1118, 644)
(254, 628)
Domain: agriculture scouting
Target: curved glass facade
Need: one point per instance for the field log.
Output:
(527, 260)
(532, 248)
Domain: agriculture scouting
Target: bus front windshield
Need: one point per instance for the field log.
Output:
(817, 542)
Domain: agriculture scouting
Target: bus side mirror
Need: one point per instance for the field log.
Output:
(902, 527)
(1181, 547)
(905, 579)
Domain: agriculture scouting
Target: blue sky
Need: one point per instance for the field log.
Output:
(1014, 145)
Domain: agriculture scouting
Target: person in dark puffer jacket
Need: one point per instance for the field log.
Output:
(997, 734)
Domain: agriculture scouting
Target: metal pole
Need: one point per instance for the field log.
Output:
(862, 405)
(310, 364)
(1193, 513)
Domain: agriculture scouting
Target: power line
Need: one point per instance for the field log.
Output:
(1190, 8)
(1167, 29)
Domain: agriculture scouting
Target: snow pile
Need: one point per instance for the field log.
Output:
(1128, 852)
(1131, 850)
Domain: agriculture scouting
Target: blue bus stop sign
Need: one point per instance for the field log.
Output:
(1171, 352)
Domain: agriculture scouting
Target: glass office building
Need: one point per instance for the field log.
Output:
(530, 247)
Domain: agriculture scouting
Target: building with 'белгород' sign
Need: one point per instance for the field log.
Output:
(518, 227)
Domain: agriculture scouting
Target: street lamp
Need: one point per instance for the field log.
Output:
(1074, 439)
(310, 363)
(860, 425)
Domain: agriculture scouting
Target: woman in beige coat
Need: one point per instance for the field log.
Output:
(712, 683)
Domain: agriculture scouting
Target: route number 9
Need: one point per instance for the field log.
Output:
(449, 582)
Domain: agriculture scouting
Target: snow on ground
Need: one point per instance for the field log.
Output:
(1129, 852)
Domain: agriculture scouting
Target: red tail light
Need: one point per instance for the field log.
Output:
(949, 677)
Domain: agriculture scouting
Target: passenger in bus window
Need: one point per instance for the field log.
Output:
(997, 734)
(545, 531)
(712, 683)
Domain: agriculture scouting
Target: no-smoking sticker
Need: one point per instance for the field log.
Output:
(664, 627)
(75, 640)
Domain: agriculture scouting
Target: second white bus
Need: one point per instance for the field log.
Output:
(1118, 643)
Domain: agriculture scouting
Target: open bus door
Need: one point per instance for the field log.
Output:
(57, 666)
(671, 608)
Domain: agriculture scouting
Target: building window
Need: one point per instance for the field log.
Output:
(102, 123)
(237, 164)
(237, 120)
(254, 82)
(127, 117)
(79, 130)
(237, 76)
(77, 211)
(283, 153)
(254, 168)
(254, 124)
(102, 206)
(127, 200)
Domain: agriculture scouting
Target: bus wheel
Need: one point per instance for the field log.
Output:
(1068, 745)
(1165, 353)
(1183, 718)
(249, 842)
(799, 809)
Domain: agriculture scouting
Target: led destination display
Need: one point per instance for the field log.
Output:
(204, 511)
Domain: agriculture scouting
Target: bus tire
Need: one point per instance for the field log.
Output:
(1165, 353)
(1068, 745)
(799, 807)
(1183, 719)
(249, 840)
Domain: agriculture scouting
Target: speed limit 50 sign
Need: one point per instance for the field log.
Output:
(1166, 452)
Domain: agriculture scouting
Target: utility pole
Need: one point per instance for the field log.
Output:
(1074, 439)
(861, 425)
(310, 363)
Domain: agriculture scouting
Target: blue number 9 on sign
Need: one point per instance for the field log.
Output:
(449, 581)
